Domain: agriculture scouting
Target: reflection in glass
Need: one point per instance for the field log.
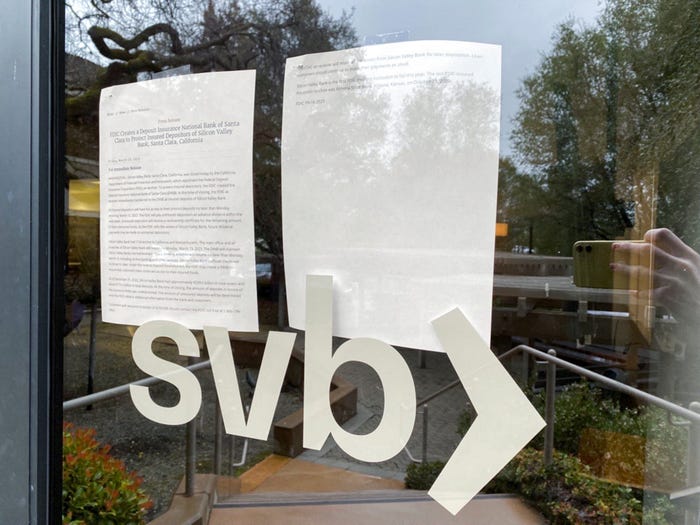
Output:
(606, 148)
(605, 141)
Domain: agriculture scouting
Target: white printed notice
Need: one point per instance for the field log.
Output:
(389, 181)
(176, 201)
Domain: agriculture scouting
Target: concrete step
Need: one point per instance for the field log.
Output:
(406, 507)
(292, 491)
(282, 474)
(289, 491)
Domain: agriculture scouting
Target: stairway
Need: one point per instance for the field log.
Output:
(297, 492)
(292, 491)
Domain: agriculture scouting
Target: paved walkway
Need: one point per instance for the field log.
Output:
(443, 415)
(283, 474)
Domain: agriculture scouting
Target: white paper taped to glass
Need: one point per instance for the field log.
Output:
(389, 182)
(176, 200)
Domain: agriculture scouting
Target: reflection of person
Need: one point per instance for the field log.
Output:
(74, 314)
(676, 271)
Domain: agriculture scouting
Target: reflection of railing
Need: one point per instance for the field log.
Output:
(110, 393)
(692, 415)
(191, 428)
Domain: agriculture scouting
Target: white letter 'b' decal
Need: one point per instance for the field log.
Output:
(396, 425)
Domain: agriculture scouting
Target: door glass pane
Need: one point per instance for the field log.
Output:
(596, 258)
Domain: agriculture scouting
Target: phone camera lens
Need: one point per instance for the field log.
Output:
(579, 248)
(589, 247)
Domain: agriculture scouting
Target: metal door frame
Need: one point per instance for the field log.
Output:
(31, 259)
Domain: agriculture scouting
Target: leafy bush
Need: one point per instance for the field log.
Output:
(566, 492)
(580, 406)
(97, 489)
(667, 448)
(465, 420)
(421, 476)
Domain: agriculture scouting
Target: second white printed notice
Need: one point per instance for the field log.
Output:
(389, 180)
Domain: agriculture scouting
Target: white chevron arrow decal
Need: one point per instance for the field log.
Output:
(505, 422)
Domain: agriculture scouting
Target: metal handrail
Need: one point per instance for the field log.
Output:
(103, 395)
(554, 361)
(599, 378)
(190, 434)
(424, 448)
(685, 413)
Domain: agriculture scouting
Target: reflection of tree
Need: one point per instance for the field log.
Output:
(151, 35)
(519, 206)
(679, 191)
(342, 143)
(606, 121)
(447, 131)
(370, 144)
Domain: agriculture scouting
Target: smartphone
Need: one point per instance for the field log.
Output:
(592, 265)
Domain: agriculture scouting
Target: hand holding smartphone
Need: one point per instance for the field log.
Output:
(595, 263)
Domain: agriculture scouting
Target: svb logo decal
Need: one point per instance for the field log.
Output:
(505, 422)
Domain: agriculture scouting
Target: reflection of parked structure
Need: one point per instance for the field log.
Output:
(536, 302)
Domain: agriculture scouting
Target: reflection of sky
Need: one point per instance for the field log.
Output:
(523, 28)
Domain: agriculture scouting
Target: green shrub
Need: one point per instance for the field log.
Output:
(421, 476)
(97, 489)
(466, 419)
(581, 406)
(667, 448)
(565, 492)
